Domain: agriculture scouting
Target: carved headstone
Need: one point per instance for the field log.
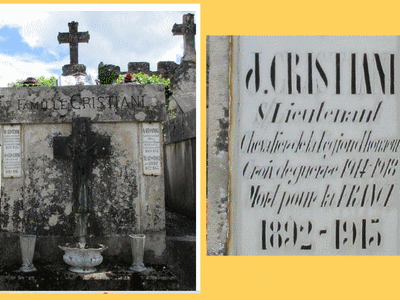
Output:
(73, 37)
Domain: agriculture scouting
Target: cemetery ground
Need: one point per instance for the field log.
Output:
(179, 275)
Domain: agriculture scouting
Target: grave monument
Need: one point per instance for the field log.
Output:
(82, 168)
(43, 191)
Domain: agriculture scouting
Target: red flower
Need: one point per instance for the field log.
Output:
(128, 77)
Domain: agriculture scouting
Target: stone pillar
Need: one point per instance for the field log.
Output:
(218, 50)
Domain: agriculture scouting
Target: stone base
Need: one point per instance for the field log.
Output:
(82, 270)
(72, 69)
(138, 268)
(115, 278)
(27, 269)
(118, 252)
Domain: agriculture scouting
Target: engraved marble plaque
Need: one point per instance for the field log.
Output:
(12, 151)
(314, 145)
(151, 149)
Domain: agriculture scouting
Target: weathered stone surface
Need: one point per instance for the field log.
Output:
(139, 67)
(181, 248)
(116, 208)
(180, 177)
(182, 260)
(123, 201)
(180, 163)
(166, 68)
(152, 206)
(180, 128)
(73, 37)
(11, 206)
(47, 183)
(110, 278)
(134, 103)
(188, 30)
(218, 156)
(73, 69)
(183, 82)
(183, 86)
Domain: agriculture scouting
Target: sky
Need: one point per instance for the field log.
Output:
(119, 34)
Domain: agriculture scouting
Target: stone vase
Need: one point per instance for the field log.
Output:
(137, 246)
(27, 242)
(83, 260)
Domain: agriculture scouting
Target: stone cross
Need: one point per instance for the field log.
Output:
(83, 146)
(188, 30)
(73, 37)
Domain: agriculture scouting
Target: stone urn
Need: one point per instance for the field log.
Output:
(83, 259)
(27, 242)
(137, 246)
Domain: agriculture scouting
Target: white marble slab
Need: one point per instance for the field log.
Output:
(315, 145)
(151, 149)
(12, 151)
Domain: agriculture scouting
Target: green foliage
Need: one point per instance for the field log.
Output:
(42, 81)
(18, 83)
(142, 78)
(120, 79)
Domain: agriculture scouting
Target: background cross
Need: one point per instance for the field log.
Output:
(188, 30)
(73, 37)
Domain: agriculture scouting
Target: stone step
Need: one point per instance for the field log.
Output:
(107, 278)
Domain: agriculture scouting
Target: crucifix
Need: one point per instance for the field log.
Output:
(73, 37)
(188, 30)
(83, 146)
